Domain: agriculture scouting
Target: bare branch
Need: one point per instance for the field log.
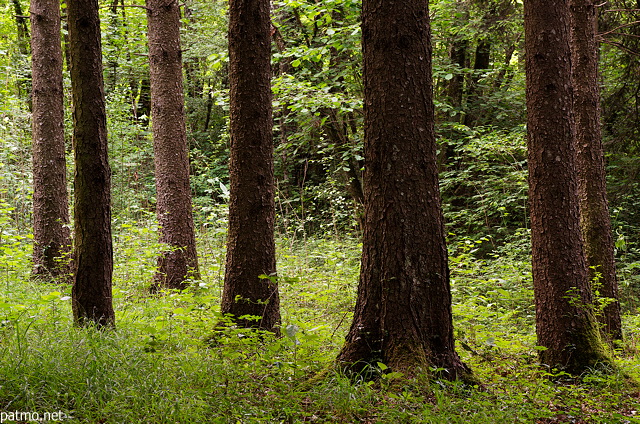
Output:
(111, 6)
(619, 27)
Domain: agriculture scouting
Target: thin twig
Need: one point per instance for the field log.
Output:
(626, 35)
(622, 47)
(621, 26)
(622, 10)
(111, 6)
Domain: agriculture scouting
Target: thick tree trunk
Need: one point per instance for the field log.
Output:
(594, 208)
(92, 302)
(250, 243)
(51, 234)
(566, 324)
(403, 311)
(174, 209)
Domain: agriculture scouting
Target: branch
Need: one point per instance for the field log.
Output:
(622, 47)
(625, 34)
(111, 6)
(621, 26)
(621, 10)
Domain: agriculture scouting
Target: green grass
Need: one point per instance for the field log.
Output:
(157, 366)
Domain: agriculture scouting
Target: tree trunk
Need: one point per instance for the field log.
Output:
(22, 28)
(194, 79)
(175, 215)
(481, 62)
(592, 188)
(455, 87)
(250, 243)
(566, 324)
(92, 302)
(403, 311)
(51, 235)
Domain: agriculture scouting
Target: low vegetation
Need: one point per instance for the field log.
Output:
(166, 362)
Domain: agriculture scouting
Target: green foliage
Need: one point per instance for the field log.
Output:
(318, 113)
(130, 157)
(169, 361)
(492, 96)
(205, 60)
(161, 364)
(484, 184)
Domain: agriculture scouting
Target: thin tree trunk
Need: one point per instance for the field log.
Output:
(22, 28)
(92, 300)
(51, 233)
(180, 261)
(592, 188)
(474, 93)
(403, 312)
(250, 243)
(566, 324)
(455, 87)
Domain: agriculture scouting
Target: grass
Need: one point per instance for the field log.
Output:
(157, 366)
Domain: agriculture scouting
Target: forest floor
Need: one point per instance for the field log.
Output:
(160, 365)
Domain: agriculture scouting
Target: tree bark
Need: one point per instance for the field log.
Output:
(455, 87)
(594, 208)
(51, 234)
(566, 325)
(403, 310)
(250, 243)
(481, 62)
(91, 294)
(22, 28)
(175, 215)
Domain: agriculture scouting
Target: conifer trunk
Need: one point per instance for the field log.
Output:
(174, 207)
(51, 233)
(594, 207)
(250, 242)
(403, 312)
(565, 322)
(91, 294)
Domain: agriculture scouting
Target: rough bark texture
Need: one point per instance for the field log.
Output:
(51, 234)
(92, 301)
(594, 207)
(174, 209)
(250, 243)
(566, 325)
(403, 311)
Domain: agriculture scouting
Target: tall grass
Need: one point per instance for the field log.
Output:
(165, 363)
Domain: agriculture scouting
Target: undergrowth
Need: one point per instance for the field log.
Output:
(160, 366)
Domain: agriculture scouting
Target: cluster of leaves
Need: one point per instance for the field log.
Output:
(470, 88)
(318, 112)
(484, 182)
